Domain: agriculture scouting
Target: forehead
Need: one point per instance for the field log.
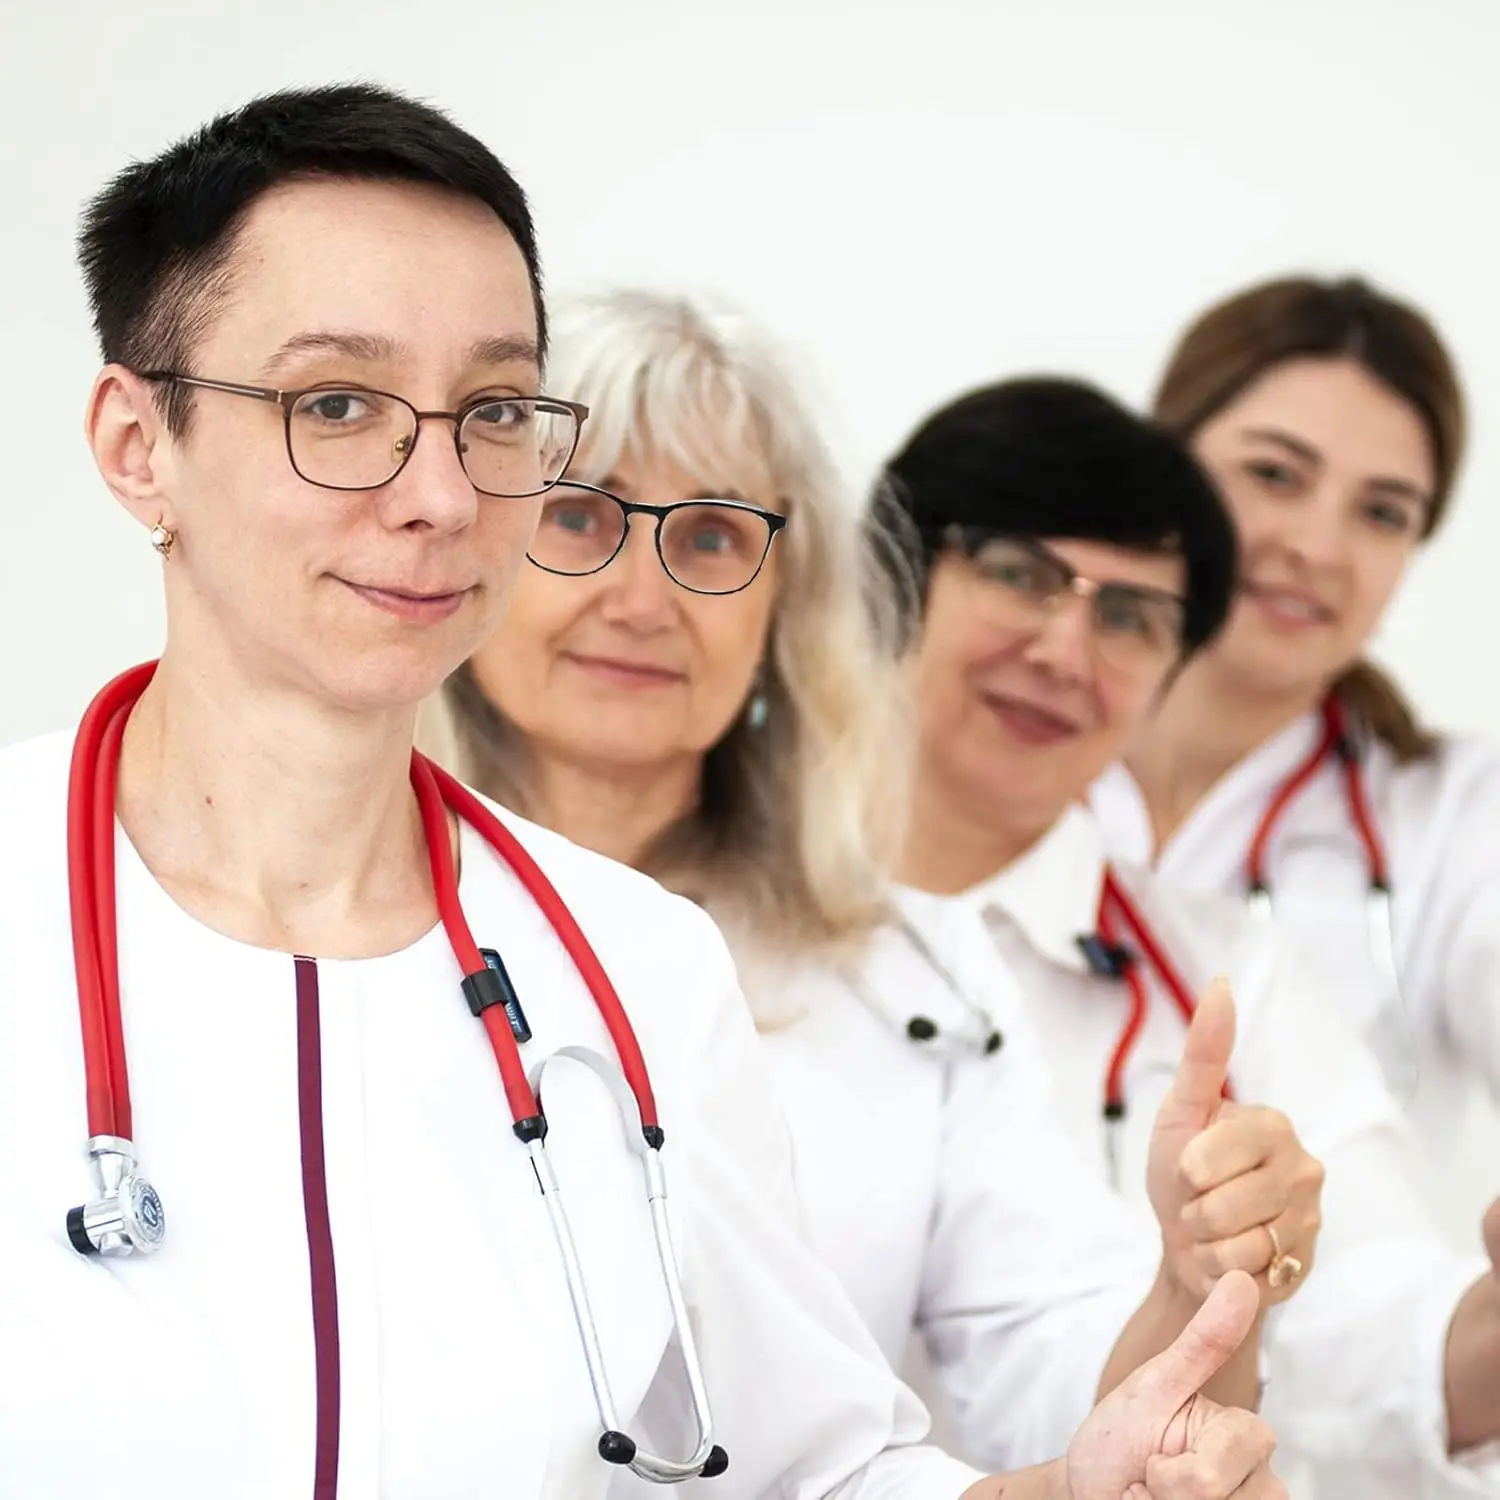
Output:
(430, 270)
(1104, 562)
(1337, 408)
(659, 470)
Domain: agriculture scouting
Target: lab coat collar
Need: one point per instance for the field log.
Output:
(1051, 893)
(1117, 801)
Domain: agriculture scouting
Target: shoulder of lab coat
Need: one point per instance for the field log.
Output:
(1436, 818)
(1443, 814)
(1030, 1269)
(1355, 1361)
(802, 1400)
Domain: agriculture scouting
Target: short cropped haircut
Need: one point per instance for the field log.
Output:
(156, 243)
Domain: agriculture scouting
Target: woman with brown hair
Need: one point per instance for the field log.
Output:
(1284, 766)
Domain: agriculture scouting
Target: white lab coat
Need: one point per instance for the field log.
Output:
(459, 1373)
(947, 1199)
(1354, 1362)
(1440, 821)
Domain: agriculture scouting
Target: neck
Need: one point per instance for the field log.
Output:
(953, 845)
(617, 813)
(274, 819)
(1208, 723)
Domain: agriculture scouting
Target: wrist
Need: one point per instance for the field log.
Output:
(1044, 1482)
(1171, 1294)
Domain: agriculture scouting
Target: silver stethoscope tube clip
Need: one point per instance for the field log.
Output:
(127, 1217)
(615, 1445)
(1398, 1055)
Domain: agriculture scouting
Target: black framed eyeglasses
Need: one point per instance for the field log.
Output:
(1135, 627)
(707, 546)
(347, 437)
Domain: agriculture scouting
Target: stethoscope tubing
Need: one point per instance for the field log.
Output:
(116, 1222)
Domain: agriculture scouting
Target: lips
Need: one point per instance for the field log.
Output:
(1030, 722)
(625, 670)
(408, 604)
(1294, 608)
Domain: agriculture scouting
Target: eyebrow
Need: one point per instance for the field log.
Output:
(375, 348)
(1404, 489)
(508, 349)
(1304, 451)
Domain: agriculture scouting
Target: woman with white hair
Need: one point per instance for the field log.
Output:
(693, 680)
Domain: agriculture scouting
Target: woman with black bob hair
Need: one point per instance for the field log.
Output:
(1070, 560)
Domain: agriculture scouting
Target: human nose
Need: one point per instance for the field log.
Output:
(432, 490)
(1316, 531)
(1062, 642)
(640, 593)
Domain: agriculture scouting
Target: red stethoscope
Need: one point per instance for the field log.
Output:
(128, 1215)
(1397, 1053)
(1123, 959)
(1125, 941)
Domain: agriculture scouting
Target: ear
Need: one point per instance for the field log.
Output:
(131, 444)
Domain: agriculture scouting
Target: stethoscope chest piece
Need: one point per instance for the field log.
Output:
(127, 1217)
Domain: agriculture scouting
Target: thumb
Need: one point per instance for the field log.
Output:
(1198, 1353)
(1492, 1233)
(1198, 1089)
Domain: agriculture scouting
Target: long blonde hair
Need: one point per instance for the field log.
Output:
(802, 807)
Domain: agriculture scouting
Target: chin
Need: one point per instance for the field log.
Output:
(1265, 666)
(384, 679)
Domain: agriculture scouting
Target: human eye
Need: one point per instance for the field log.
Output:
(1017, 571)
(715, 530)
(576, 512)
(1274, 475)
(337, 408)
(501, 418)
(1390, 516)
(1148, 620)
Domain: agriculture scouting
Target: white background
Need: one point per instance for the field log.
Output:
(918, 195)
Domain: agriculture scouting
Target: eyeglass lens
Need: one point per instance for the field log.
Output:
(357, 439)
(706, 546)
(1132, 625)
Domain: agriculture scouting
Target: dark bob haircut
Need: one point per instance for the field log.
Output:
(1042, 458)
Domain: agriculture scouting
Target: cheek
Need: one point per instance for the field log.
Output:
(1251, 510)
(511, 664)
(1380, 570)
(1122, 706)
(731, 636)
(945, 675)
(505, 532)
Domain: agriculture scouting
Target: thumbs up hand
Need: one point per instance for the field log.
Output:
(1231, 1185)
(1156, 1437)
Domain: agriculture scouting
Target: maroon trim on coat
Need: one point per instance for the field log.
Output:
(325, 1294)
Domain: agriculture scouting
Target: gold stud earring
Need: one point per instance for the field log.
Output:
(162, 539)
